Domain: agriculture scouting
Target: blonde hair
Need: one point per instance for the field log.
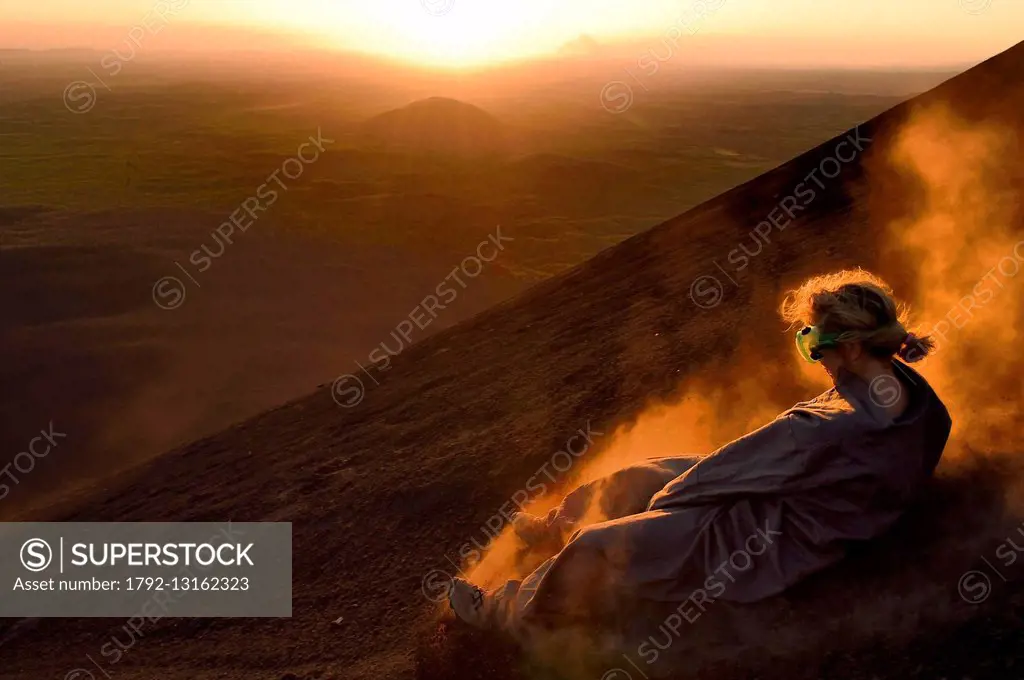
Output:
(860, 307)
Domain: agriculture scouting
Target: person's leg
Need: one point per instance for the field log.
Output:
(581, 584)
(609, 571)
(603, 573)
(623, 492)
(503, 608)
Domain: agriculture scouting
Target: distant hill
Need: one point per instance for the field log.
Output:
(584, 45)
(439, 125)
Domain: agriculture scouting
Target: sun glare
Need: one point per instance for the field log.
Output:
(438, 32)
(446, 33)
(442, 33)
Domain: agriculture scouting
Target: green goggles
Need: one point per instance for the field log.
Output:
(810, 341)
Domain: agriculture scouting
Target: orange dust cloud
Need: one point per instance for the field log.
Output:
(966, 250)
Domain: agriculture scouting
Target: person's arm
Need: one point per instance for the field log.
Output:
(775, 458)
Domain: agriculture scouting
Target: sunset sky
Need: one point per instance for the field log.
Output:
(477, 32)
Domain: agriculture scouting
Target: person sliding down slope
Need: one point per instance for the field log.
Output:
(791, 496)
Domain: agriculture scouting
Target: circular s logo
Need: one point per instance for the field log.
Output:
(438, 8)
(707, 291)
(885, 390)
(79, 97)
(616, 97)
(974, 587)
(79, 674)
(436, 585)
(975, 6)
(348, 391)
(169, 293)
(36, 554)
